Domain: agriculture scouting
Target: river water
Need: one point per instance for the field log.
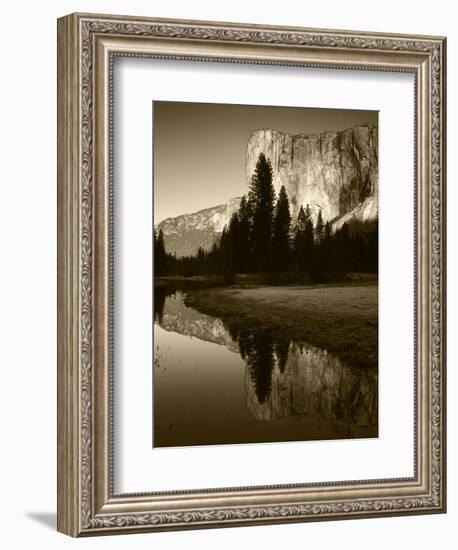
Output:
(214, 387)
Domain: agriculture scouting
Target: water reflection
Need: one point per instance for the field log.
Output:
(257, 350)
(160, 294)
(283, 383)
(281, 354)
(315, 383)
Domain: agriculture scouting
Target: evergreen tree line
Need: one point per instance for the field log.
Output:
(262, 237)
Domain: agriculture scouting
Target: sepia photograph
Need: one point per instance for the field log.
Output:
(265, 274)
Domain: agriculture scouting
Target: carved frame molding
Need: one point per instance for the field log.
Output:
(87, 46)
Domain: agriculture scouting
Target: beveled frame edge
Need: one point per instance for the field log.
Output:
(86, 42)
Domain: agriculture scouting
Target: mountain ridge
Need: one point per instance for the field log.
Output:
(183, 235)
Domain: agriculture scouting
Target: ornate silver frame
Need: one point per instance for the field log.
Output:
(87, 44)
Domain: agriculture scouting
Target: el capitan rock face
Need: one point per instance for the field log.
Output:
(334, 171)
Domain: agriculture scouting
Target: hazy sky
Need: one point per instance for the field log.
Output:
(200, 148)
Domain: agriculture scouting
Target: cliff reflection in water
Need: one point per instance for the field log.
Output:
(283, 380)
(313, 383)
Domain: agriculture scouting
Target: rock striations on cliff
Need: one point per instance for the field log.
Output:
(336, 172)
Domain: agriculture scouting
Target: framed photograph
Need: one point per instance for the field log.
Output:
(266, 304)
(251, 280)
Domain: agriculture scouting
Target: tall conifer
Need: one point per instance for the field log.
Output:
(261, 199)
(280, 237)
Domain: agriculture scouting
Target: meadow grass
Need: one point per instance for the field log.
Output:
(343, 319)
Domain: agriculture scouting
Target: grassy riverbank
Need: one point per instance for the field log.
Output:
(343, 319)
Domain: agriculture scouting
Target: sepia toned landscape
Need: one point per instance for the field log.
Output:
(265, 274)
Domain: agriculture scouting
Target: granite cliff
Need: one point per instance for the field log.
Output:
(334, 171)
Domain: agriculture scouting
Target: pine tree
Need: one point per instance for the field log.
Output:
(310, 256)
(327, 253)
(234, 241)
(280, 237)
(160, 256)
(316, 259)
(299, 239)
(304, 240)
(201, 261)
(342, 252)
(261, 200)
(244, 234)
(319, 230)
(226, 264)
(372, 250)
(309, 237)
(345, 244)
(327, 233)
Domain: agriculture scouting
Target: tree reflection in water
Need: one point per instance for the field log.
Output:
(283, 379)
(289, 379)
(260, 353)
(281, 354)
(160, 294)
(257, 350)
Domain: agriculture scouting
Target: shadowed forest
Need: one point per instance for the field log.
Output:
(262, 237)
